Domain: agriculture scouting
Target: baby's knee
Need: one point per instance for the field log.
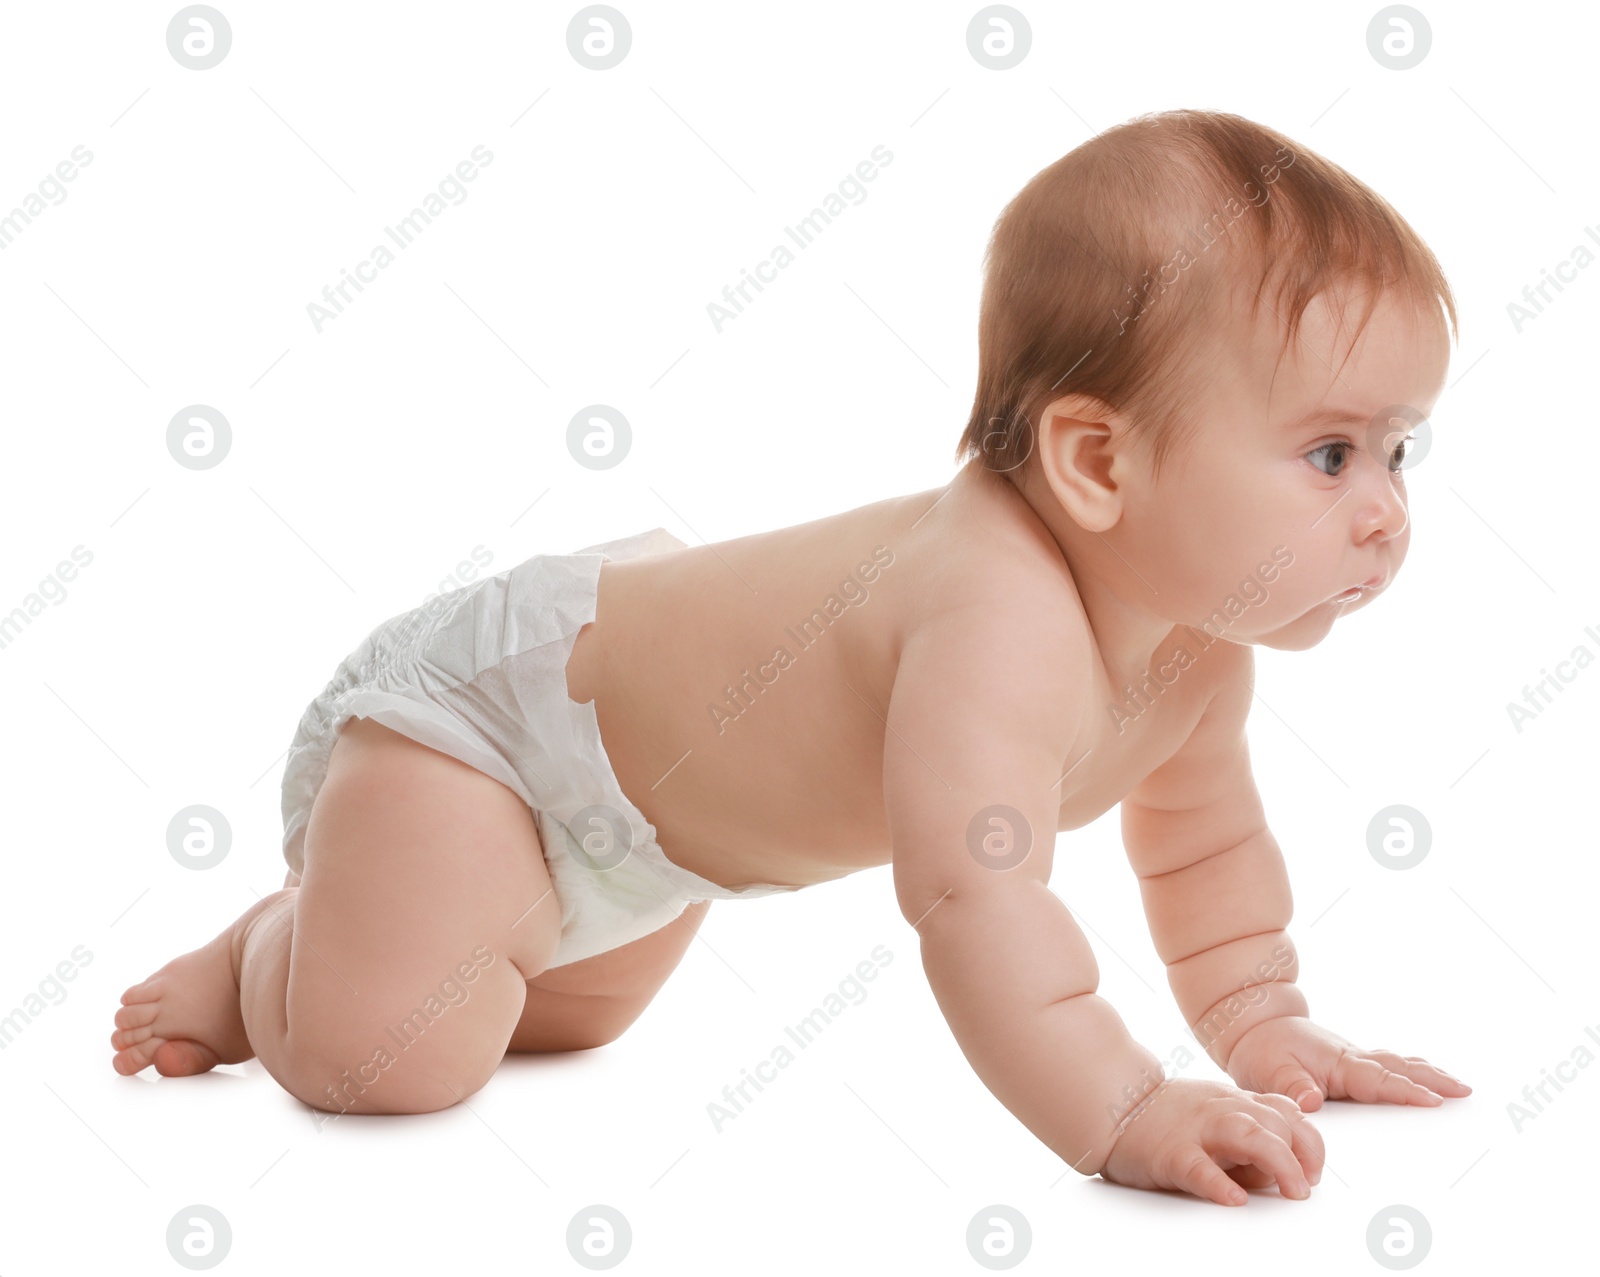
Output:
(401, 1065)
(387, 1082)
(404, 1052)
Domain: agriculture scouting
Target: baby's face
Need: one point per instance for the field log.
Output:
(1257, 479)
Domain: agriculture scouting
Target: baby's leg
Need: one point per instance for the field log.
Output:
(391, 979)
(588, 1003)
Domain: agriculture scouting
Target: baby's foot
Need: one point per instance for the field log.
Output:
(185, 1018)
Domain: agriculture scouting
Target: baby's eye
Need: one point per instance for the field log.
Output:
(1345, 450)
(1342, 448)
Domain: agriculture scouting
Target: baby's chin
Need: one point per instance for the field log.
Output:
(1304, 631)
(1299, 632)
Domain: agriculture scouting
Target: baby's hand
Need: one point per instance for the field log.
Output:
(1292, 1056)
(1209, 1138)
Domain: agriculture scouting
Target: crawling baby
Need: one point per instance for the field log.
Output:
(1201, 350)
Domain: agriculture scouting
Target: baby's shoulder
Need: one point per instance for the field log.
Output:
(1001, 615)
(1002, 578)
(992, 685)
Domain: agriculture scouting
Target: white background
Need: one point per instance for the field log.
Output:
(427, 419)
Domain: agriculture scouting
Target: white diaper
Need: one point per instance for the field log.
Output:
(480, 674)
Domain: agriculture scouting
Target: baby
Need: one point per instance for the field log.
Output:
(509, 811)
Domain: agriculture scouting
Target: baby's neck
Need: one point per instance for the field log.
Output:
(1129, 637)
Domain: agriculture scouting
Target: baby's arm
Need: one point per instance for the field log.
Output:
(982, 715)
(1216, 896)
(1216, 892)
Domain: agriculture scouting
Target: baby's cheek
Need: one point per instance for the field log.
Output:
(1400, 545)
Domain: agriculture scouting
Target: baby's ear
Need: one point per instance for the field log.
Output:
(1076, 434)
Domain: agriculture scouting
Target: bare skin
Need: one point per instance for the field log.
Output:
(985, 652)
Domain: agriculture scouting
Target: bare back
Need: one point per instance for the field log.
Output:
(741, 687)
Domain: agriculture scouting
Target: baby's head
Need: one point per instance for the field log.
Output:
(1201, 349)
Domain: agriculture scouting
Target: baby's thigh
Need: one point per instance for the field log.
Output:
(590, 1002)
(424, 909)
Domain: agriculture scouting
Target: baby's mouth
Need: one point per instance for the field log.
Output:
(1373, 584)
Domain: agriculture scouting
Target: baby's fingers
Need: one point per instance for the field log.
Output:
(1363, 1078)
(1195, 1172)
(1239, 1139)
(1423, 1073)
(1304, 1138)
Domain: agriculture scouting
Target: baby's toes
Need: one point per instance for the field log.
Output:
(136, 1015)
(122, 1039)
(134, 1039)
(143, 992)
(131, 1059)
(179, 1058)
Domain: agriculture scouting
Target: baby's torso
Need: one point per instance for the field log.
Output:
(741, 688)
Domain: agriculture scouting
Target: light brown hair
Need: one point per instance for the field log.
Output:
(1100, 279)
